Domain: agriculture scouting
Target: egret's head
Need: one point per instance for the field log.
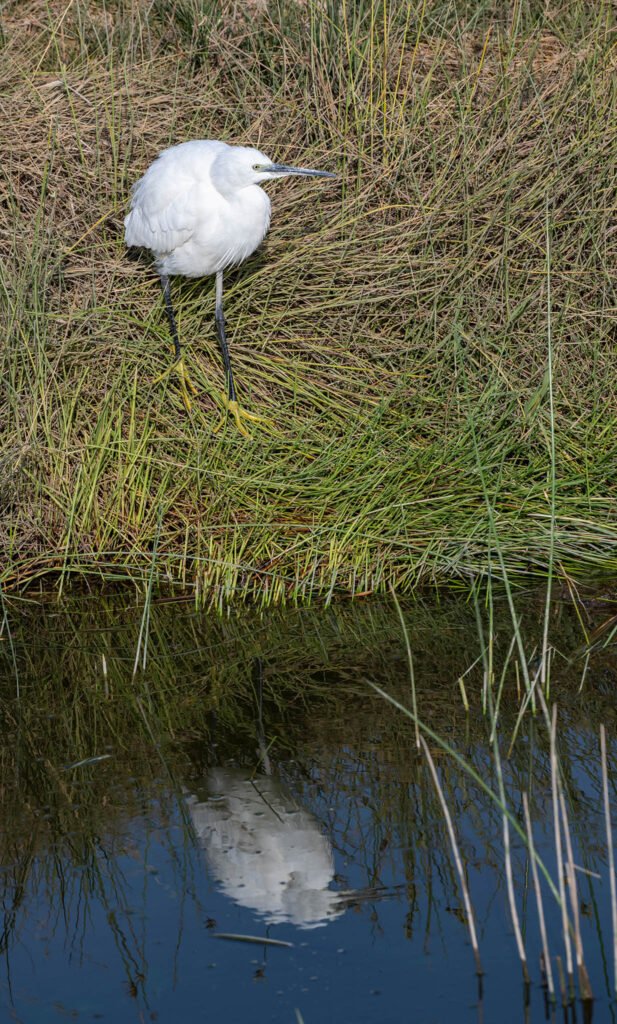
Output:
(239, 166)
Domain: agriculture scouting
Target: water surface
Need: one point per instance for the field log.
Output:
(246, 780)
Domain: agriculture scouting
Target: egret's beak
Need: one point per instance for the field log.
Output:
(279, 170)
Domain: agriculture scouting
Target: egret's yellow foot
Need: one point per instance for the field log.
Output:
(186, 384)
(232, 407)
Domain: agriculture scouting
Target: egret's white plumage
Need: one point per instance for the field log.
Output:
(193, 214)
(199, 209)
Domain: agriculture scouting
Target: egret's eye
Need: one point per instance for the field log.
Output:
(256, 167)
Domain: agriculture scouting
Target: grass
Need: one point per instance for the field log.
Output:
(432, 335)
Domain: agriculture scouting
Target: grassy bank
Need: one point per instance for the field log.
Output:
(432, 335)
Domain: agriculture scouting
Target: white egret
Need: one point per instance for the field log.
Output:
(199, 209)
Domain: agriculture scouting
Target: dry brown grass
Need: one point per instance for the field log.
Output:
(394, 326)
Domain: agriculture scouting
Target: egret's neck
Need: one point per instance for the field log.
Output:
(229, 182)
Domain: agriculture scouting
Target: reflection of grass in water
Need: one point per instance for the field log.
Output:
(565, 894)
(198, 688)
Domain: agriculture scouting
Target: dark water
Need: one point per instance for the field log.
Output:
(249, 781)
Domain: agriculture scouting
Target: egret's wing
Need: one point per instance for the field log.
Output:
(174, 199)
(160, 219)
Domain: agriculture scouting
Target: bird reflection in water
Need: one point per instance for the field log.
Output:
(267, 853)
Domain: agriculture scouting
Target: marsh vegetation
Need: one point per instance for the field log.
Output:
(433, 339)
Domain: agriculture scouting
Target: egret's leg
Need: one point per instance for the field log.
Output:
(231, 398)
(219, 316)
(187, 384)
(171, 316)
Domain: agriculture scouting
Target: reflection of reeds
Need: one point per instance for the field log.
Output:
(471, 924)
(609, 847)
(539, 903)
(200, 667)
(583, 977)
(561, 824)
(559, 852)
(412, 676)
(508, 863)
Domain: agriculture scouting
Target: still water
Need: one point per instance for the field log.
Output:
(171, 778)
